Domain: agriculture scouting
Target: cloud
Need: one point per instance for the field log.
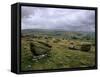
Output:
(56, 18)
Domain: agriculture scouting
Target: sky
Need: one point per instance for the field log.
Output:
(57, 19)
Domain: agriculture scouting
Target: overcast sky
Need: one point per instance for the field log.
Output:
(56, 18)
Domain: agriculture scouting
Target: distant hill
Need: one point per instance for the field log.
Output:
(51, 30)
(59, 33)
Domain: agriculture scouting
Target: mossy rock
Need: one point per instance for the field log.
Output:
(56, 40)
(85, 46)
(39, 48)
(72, 46)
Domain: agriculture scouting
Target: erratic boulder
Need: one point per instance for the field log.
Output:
(85, 47)
(40, 49)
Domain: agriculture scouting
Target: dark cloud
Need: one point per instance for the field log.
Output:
(55, 18)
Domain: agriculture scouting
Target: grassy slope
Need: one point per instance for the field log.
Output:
(60, 57)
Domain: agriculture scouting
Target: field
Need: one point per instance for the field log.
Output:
(63, 49)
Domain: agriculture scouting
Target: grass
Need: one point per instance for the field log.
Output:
(60, 56)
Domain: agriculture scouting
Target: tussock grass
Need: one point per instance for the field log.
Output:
(59, 57)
